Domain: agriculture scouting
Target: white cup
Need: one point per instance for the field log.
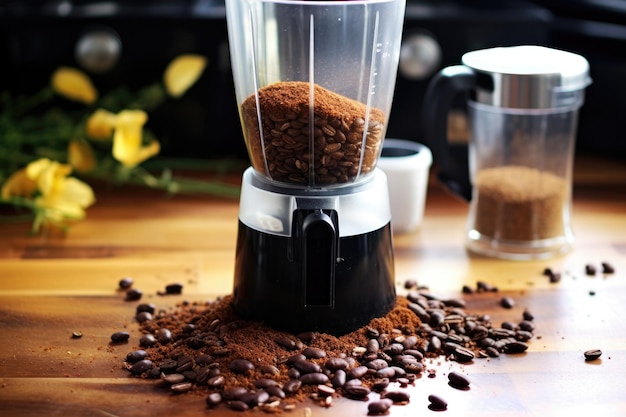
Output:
(407, 165)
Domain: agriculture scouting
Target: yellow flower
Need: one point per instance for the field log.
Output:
(48, 175)
(100, 124)
(68, 202)
(182, 73)
(80, 155)
(74, 85)
(19, 185)
(127, 139)
(61, 197)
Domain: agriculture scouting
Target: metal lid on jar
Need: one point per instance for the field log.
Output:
(528, 77)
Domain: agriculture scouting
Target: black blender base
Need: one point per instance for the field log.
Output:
(269, 284)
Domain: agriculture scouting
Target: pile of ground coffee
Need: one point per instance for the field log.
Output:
(205, 348)
(519, 203)
(334, 142)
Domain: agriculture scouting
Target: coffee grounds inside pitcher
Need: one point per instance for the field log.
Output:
(346, 139)
(519, 203)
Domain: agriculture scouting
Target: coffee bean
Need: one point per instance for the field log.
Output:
(125, 283)
(377, 364)
(607, 268)
(437, 403)
(590, 269)
(232, 393)
(353, 383)
(387, 372)
(164, 336)
(265, 383)
(410, 284)
(213, 399)
(458, 380)
(216, 381)
(357, 372)
(140, 367)
(149, 308)
(76, 335)
(592, 354)
(293, 373)
(515, 347)
(527, 325)
(185, 363)
(241, 366)
(292, 386)
(398, 397)
(136, 356)
(172, 378)
(203, 374)
(414, 368)
(147, 340)
(356, 392)
(168, 365)
(462, 354)
(269, 370)
(523, 335)
(143, 316)
(286, 342)
(336, 363)
(380, 385)
(313, 353)
(120, 337)
(555, 277)
(339, 379)
(507, 302)
(238, 405)
(379, 407)
(175, 288)
(275, 391)
(133, 294)
(259, 397)
(307, 367)
(314, 378)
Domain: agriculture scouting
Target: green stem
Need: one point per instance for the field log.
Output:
(185, 186)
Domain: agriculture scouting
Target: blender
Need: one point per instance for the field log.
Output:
(314, 83)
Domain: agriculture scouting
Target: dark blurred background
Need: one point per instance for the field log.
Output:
(130, 43)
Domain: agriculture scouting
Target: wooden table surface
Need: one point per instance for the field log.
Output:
(55, 285)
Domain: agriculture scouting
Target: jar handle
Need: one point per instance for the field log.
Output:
(440, 94)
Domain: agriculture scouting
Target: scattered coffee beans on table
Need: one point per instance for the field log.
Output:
(244, 365)
(592, 354)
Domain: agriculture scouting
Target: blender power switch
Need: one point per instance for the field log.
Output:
(319, 254)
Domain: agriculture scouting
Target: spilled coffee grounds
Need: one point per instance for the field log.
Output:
(206, 349)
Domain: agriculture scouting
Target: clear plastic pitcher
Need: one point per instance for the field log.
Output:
(522, 111)
(314, 82)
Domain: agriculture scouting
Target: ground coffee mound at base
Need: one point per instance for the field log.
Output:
(205, 348)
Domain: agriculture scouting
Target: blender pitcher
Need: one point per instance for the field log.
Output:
(522, 114)
(314, 82)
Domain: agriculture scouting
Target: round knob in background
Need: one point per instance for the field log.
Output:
(98, 50)
(420, 56)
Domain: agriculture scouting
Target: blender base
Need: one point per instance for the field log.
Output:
(268, 285)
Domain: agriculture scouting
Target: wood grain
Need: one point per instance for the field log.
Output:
(51, 286)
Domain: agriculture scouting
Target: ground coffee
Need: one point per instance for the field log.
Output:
(519, 203)
(334, 142)
(245, 365)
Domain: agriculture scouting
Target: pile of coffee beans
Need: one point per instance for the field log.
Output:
(337, 142)
(206, 348)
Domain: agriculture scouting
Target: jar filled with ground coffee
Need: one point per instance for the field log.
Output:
(522, 113)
